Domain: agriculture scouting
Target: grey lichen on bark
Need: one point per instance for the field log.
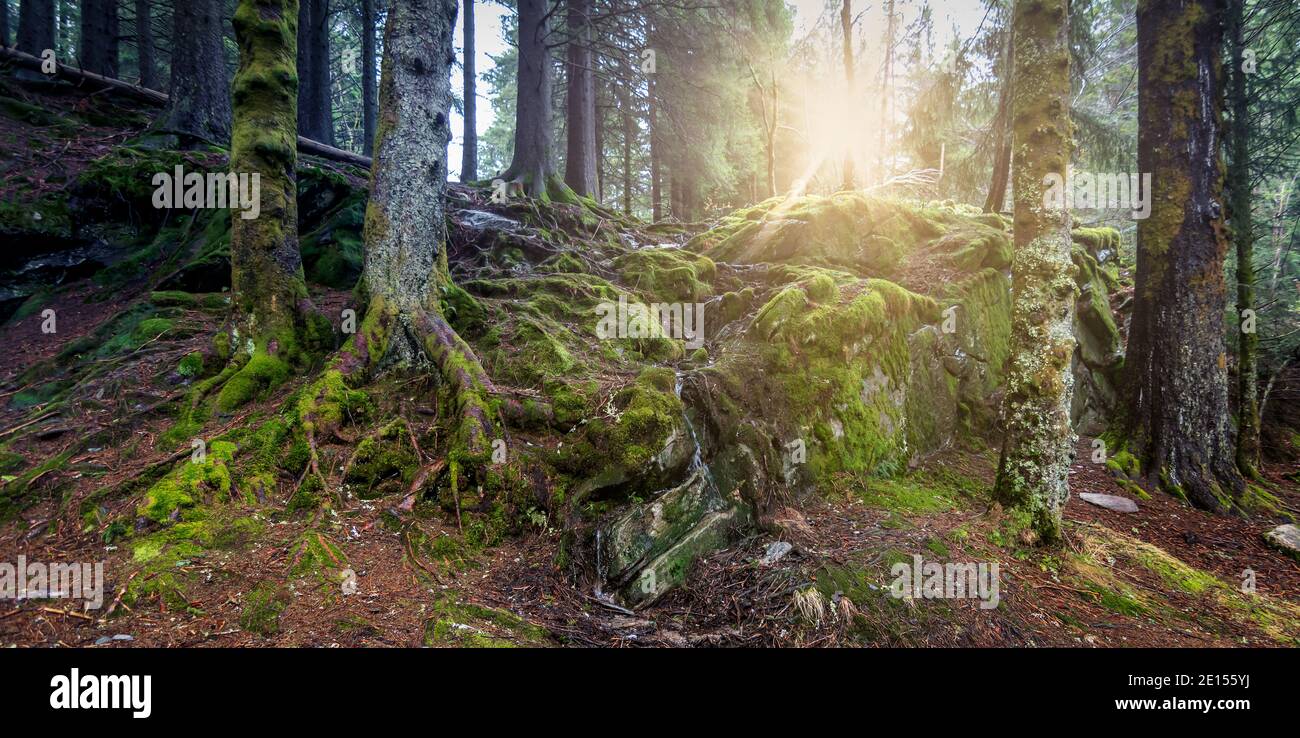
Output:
(1038, 448)
(405, 273)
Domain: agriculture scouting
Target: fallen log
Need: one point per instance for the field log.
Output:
(159, 99)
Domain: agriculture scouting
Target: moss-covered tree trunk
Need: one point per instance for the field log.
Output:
(198, 110)
(275, 326)
(1179, 424)
(405, 276)
(1038, 448)
(1243, 235)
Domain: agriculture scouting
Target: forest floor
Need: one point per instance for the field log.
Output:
(1167, 575)
(1104, 587)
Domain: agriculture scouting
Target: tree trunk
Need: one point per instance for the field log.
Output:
(97, 50)
(144, 44)
(656, 156)
(273, 317)
(1243, 232)
(625, 110)
(1033, 474)
(369, 99)
(580, 160)
(405, 272)
(198, 109)
(997, 196)
(315, 102)
(36, 30)
(1179, 425)
(4, 23)
(886, 91)
(469, 149)
(532, 167)
(846, 30)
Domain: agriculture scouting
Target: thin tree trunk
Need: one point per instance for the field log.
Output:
(1243, 231)
(97, 50)
(846, 30)
(36, 29)
(469, 149)
(144, 44)
(306, 103)
(886, 90)
(406, 270)
(1033, 474)
(1179, 424)
(656, 192)
(625, 108)
(4, 23)
(580, 100)
(369, 99)
(198, 108)
(997, 195)
(269, 298)
(532, 166)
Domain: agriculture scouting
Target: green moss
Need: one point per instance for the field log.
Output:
(255, 379)
(263, 607)
(667, 275)
(191, 366)
(466, 625)
(190, 484)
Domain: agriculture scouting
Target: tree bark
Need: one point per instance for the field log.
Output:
(269, 296)
(846, 30)
(1179, 424)
(198, 107)
(533, 167)
(4, 23)
(315, 102)
(1243, 233)
(656, 156)
(997, 195)
(1033, 474)
(580, 160)
(405, 273)
(469, 148)
(369, 92)
(144, 44)
(97, 49)
(36, 30)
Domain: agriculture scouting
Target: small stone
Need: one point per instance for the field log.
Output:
(102, 640)
(1285, 538)
(1110, 502)
(775, 552)
(123, 637)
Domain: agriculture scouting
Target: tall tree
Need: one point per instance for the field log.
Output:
(273, 318)
(198, 109)
(580, 101)
(4, 23)
(1033, 474)
(98, 40)
(1179, 425)
(405, 276)
(369, 98)
(1243, 235)
(846, 32)
(469, 149)
(533, 165)
(144, 44)
(315, 102)
(36, 29)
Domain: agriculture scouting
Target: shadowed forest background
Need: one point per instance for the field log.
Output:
(670, 323)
